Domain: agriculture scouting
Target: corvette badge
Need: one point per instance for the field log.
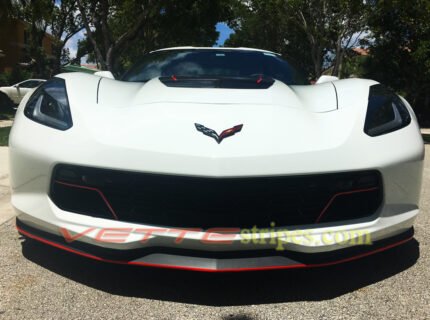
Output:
(212, 133)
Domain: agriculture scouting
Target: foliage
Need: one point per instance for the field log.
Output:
(400, 51)
(57, 17)
(100, 19)
(5, 78)
(4, 136)
(35, 14)
(64, 21)
(121, 31)
(265, 24)
(313, 33)
(16, 75)
(354, 65)
(193, 23)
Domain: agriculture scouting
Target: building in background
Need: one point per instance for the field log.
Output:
(13, 42)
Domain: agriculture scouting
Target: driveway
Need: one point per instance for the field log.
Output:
(40, 282)
(6, 211)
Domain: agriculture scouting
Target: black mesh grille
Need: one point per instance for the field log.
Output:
(201, 202)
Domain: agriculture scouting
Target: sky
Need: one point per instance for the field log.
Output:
(224, 33)
(221, 27)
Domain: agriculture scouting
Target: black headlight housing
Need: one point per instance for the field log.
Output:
(49, 105)
(386, 112)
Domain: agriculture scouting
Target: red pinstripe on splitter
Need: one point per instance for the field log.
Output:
(190, 268)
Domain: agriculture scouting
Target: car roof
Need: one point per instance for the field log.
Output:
(215, 48)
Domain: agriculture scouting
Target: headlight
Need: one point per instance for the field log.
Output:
(385, 112)
(49, 105)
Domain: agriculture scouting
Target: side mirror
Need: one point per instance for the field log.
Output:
(324, 78)
(104, 74)
(16, 86)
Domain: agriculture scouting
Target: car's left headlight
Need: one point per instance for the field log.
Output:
(386, 112)
(49, 105)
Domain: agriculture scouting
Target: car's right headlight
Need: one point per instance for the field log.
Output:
(386, 112)
(49, 105)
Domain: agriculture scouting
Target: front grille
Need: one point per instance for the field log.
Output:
(202, 202)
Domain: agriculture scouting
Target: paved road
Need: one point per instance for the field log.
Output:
(38, 282)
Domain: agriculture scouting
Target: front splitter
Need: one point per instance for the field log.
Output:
(208, 261)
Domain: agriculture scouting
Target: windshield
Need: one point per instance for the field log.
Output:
(204, 63)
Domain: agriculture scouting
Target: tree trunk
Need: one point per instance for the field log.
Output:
(317, 60)
(56, 52)
(110, 55)
(338, 58)
(97, 51)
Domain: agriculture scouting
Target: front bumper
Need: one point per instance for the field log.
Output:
(213, 261)
(306, 246)
(326, 151)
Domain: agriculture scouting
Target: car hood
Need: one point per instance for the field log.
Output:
(156, 122)
(114, 93)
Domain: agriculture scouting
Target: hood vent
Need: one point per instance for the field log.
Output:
(257, 82)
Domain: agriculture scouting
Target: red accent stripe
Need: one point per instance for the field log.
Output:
(112, 211)
(341, 194)
(174, 78)
(260, 79)
(145, 264)
(59, 246)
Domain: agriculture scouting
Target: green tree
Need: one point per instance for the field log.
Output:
(179, 23)
(314, 33)
(65, 21)
(400, 50)
(330, 27)
(121, 31)
(267, 24)
(37, 13)
(101, 17)
(60, 18)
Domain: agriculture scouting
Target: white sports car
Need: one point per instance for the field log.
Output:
(216, 159)
(14, 94)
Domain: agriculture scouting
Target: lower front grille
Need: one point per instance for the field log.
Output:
(202, 202)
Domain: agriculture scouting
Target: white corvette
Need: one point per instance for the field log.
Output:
(215, 159)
